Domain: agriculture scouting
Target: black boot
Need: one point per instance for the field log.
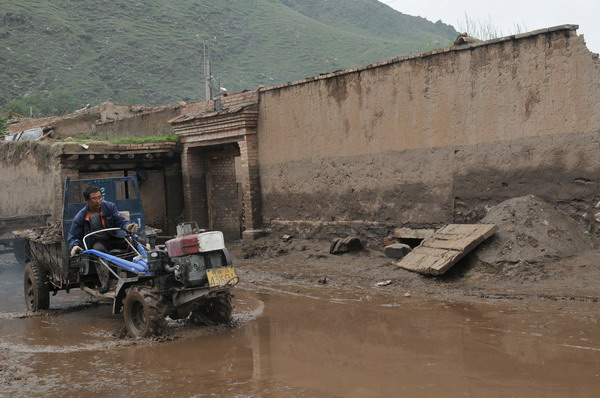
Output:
(104, 286)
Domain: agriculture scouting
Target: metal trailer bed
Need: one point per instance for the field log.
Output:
(62, 272)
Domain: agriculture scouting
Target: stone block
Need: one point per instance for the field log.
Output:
(397, 250)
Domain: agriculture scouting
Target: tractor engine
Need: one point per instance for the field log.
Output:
(192, 255)
(158, 261)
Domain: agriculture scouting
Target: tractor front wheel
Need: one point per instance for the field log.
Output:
(142, 313)
(35, 283)
(213, 311)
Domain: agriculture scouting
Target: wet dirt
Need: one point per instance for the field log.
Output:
(47, 234)
(295, 337)
(531, 230)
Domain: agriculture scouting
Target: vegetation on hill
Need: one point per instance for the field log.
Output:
(150, 51)
(3, 127)
(37, 104)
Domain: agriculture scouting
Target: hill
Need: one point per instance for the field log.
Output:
(151, 51)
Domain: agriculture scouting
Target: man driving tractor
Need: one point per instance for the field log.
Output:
(98, 215)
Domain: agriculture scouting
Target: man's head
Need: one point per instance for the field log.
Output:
(93, 197)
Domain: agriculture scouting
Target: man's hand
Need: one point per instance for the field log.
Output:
(75, 251)
(132, 228)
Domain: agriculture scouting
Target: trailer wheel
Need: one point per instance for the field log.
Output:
(142, 313)
(213, 311)
(37, 294)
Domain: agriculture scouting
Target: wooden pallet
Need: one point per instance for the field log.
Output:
(437, 254)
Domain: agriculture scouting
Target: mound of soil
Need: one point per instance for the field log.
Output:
(47, 235)
(531, 230)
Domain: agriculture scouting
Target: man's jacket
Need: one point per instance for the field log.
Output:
(81, 224)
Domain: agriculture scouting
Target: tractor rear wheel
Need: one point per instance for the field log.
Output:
(35, 284)
(213, 311)
(142, 312)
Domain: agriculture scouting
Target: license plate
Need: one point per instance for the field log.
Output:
(218, 277)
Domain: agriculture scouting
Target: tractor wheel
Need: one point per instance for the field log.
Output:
(37, 294)
(213, 311)
(142, 313)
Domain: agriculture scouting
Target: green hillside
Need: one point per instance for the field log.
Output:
(150, 51)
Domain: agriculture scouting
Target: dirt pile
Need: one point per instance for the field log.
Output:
(47, 235)
(531, 230)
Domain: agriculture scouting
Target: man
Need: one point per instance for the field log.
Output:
(97, 215)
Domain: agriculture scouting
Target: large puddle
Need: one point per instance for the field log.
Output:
(286, 344)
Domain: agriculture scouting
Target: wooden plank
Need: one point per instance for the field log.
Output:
(446, 247)
(426, 260)
(459, 231)
(465, 238)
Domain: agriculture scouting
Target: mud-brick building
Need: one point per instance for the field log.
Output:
(32, 173)
(220, 164)
(156, 166)
(416, 141)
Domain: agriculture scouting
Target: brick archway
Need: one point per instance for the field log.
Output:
(211, 143)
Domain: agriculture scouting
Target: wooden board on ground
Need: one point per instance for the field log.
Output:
(437, 254)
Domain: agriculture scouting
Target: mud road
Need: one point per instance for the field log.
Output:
(292, 338)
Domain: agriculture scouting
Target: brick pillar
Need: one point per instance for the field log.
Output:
(194, 186)
(250, 186)
(174, 196)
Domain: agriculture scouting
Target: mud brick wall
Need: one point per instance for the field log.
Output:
(430, 139)
(29, 173)
(237, 99)
(106, 120)
(150, 123)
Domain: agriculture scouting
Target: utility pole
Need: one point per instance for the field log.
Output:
(207, 72)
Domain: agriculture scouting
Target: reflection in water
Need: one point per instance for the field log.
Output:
(361, 349)
(11, 285)
(294, 346)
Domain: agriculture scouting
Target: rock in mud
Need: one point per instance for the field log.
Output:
(397, 250)
(345, 245)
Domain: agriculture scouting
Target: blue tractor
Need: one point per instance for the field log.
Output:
(189, 276)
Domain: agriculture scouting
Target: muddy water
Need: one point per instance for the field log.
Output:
(311, 344)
